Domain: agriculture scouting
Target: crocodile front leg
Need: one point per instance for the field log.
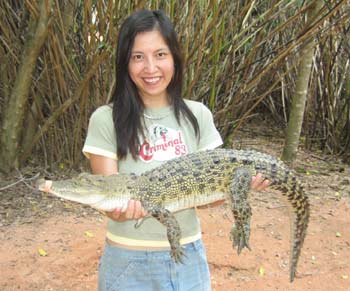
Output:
(168, 219)
(240, 208)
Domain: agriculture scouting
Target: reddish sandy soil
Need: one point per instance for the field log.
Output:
(73, 237)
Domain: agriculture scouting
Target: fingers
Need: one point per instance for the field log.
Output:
(115, 214)
(259, 183)
(134, 210)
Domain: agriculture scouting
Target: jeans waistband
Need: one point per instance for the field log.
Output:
(126, 252)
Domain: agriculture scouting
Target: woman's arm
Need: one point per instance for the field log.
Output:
(101, 165)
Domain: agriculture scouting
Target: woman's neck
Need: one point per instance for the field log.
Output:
(156, 102)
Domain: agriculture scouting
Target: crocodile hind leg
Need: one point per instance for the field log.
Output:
(240, 208)
(168, 219)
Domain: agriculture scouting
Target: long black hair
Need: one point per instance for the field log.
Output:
(128, 106)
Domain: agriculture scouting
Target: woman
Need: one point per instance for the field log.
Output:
(149, 123)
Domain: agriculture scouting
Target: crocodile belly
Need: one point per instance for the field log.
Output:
(184, 202)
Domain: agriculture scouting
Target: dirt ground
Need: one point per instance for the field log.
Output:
(53, 245)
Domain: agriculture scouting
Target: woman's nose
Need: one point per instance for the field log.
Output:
(150, 65)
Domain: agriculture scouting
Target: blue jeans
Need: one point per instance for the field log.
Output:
(129, 270)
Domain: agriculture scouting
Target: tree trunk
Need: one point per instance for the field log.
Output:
(31, 119)
(301, 89)
(15, 111)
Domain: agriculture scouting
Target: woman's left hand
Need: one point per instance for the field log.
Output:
(259, 183)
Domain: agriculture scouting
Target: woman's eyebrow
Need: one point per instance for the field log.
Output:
(141, 52)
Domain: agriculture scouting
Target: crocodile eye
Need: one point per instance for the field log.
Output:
(216, 160)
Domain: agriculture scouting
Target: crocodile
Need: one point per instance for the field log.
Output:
(193, 180)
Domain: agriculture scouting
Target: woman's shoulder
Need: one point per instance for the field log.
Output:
(102, 115)
(197, 107)
(104, 109)
(103, 112)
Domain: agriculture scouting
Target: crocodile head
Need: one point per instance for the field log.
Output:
(101, 192)
(70, 190)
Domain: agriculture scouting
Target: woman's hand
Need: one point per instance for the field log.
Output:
(259, 183)
(133, 211)
(101, 165)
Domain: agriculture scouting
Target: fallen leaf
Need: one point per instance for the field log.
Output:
(314, 172)
(338, 234)
(300, 170)
(67, 205)
(42, 252)
(261, 271)
(344, 277)
(88, 234)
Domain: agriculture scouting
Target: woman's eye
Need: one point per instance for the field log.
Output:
(137, 57)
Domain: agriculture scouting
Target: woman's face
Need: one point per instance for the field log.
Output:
(151, 67)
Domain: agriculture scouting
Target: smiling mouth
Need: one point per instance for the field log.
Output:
(151, 80)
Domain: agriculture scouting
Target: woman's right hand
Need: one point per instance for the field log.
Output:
(133, 211)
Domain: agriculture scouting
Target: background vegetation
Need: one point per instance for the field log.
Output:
(242, 58)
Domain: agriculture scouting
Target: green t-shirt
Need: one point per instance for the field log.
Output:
(165, 140)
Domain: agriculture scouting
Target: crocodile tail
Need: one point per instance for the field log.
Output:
(301, 210)
(299, 207)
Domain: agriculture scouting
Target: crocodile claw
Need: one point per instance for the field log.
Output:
(177, 254)
(240, 238)
(139, 222)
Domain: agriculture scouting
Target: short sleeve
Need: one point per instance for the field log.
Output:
(209, 136)
(101, 138)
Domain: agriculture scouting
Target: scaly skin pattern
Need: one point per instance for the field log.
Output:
(193, 180)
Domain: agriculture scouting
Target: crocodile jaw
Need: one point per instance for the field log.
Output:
(88, 197)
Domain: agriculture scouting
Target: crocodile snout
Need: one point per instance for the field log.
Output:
(43, 185)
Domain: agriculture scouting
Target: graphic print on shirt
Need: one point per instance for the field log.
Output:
(162, 144)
